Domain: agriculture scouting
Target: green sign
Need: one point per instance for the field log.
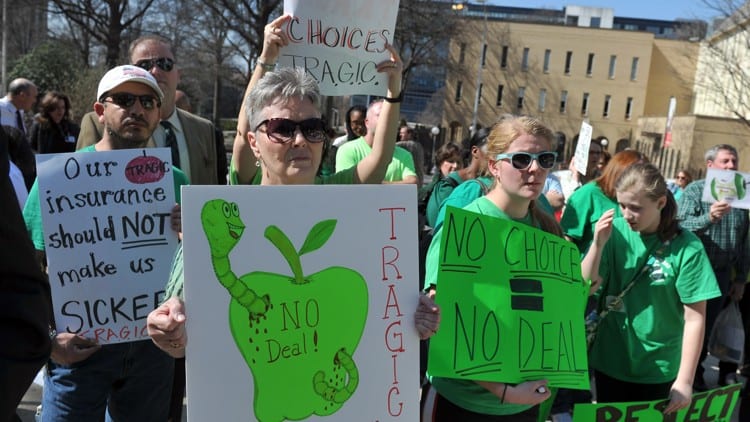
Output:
(709, 406)
(512, 302)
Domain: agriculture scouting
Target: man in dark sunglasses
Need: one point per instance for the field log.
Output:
(131, 381)
(192, 139)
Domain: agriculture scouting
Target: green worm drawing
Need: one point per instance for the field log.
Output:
(300, 347)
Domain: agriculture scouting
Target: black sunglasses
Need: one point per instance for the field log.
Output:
(126, 100)
(522, 160)
(164, 63)
(281, 131)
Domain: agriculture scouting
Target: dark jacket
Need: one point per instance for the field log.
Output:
(25, 307)
(50, 137)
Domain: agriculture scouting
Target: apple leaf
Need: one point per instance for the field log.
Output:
(285, 246)
(318, 236)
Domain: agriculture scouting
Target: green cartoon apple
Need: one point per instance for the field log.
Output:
(300, 348)
(728, 188)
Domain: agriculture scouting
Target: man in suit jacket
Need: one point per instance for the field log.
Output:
(196, 152)
(25, 303)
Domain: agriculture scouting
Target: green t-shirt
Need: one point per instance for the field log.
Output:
(641, 341)
(345, 177)
(441, 190)
(352, 152)
(582, 210)
(465, 393)
(32, 211)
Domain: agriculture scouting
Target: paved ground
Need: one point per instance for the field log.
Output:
(30, 401)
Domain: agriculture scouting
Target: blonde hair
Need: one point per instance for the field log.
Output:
(501, 135)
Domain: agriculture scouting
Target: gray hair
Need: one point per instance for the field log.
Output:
(711, 152)
(282, 84)
(19, 86)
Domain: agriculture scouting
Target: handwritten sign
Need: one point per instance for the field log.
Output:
(106, 220)
(581, 157)
(512, 304)
(340, 43)
(727, 185)
(709, 406)
(299, 309)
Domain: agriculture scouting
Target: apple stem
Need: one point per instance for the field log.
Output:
(285, 246)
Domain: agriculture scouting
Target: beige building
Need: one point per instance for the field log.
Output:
(620, 81)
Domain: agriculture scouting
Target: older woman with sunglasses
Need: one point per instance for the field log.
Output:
(287, 138)
(520, 151)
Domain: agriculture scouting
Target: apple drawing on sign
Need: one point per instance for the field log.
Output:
(297, 333)
(145, 169)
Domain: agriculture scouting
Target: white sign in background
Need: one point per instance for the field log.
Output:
(340, 43)
(727, 185)
(375, 235)
(109, 243)
(581, 157)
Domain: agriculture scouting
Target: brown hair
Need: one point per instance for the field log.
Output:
(446, 152)
(501, 135)
(646, 178)
(612, 171)
(49, 104)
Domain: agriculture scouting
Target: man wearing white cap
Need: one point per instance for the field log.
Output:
(126, 381)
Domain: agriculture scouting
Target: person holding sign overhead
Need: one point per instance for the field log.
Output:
(654, 292)
(287, 138)
(520, 152)
(128, 381)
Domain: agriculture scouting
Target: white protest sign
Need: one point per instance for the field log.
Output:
(581, 157)
(340, 43)
(109, 243)
(329, 281)
(727, 185)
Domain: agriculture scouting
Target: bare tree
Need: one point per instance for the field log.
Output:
(723, 76)
(247, 19)
(104, 20)
(423, 31)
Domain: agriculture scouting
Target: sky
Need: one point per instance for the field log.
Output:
(648, 9)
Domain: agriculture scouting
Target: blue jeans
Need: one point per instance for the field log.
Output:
(125, 382)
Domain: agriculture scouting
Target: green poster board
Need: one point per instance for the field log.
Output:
(512, 302)
(715, 406)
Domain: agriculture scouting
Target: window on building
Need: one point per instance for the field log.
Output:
(563, 101)
(607, 105)
(590, 65)
(585, 104)
(568, 61)
(571, 21)
(629, 108)
(484, 55)
(499, 99)
(459, 88)
(596, 22)
(504, 57)
(521, 94)
(525, 59)
(462, 53)
(547, 54)
(542, 99)
(634, 69)
(612, 66)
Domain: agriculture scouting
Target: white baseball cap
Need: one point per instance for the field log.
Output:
(127, 73)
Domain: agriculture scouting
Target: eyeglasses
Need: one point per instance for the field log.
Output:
(281, 131)
(164, 63)
(522, 160)
(681, 177)
(126, 100)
